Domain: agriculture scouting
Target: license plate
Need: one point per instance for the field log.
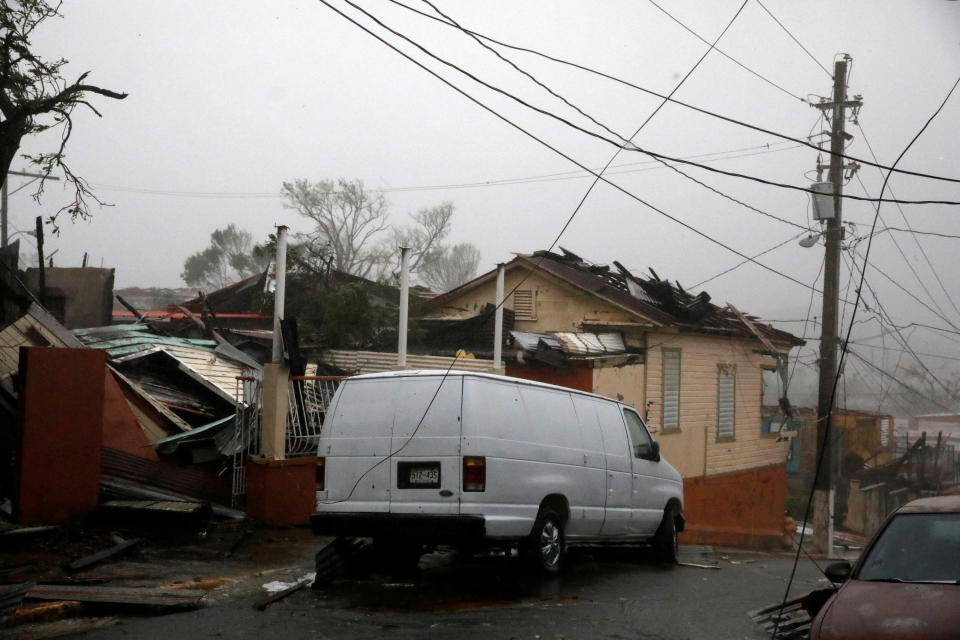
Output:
(424, 475)
(418, 475)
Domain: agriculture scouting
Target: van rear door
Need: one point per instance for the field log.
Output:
(425, 466)
(355, 442)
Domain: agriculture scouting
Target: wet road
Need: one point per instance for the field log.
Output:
(601, 594)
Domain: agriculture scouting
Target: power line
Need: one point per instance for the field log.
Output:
(730, 58)
(592, 119)
(644, 165)
(558, 152)
(627, 83)
(740, 264)
(898, 381)
(792, 37)
(892, 349)
(909, 226)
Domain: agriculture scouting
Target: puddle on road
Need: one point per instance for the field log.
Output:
(447, 581)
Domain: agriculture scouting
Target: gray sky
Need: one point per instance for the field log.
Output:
(229, 99)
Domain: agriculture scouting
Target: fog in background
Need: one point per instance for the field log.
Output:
(229, 99)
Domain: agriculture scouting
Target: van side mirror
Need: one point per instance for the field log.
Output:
(655, 452)
(837, 572)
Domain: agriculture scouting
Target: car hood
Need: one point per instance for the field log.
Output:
(880, 610)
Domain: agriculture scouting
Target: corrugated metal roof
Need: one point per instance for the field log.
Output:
(215, 372)
(575, 344)
(377, 362)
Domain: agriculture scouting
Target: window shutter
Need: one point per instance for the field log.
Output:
(524, 307)
(726, 401)
(884, 431)
(671, 388)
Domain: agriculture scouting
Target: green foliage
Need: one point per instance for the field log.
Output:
(342, 318)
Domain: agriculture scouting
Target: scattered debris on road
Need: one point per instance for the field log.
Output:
(136, 596)
(280, 590)
(86, 562)
(792, 618)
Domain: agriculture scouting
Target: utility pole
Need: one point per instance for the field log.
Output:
(829, 341)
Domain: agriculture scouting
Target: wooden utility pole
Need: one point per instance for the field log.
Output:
(829, 340)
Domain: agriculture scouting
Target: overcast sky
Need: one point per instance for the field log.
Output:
(230, 99)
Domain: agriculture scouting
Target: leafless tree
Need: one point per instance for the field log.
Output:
(451, 267)
(34, 97)
(348, 219)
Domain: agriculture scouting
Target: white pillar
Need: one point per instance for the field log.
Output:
(280, 275)
(404, 307)
(498, 321)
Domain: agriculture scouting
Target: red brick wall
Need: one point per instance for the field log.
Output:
(580, 378)
(743, 509)
(61, 413)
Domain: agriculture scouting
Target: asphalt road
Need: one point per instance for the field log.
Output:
(601, 594)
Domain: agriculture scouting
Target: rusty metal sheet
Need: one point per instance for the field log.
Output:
(177, 598)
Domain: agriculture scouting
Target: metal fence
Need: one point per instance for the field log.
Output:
(246, 435)
(309, 399)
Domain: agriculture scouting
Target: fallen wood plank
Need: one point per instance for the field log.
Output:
(46, 612)
(88, 561)
(64, 628)
(119, 595)
(698, 566)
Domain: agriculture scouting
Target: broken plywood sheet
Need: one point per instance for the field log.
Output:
(148, 424)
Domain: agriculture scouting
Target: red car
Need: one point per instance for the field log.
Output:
(906, 583)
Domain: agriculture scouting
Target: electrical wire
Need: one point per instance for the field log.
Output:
(792, 37)
(730, 58)
(592, 119)
(740, 264)
(686, 105)
(828, 414)
(909, 226)
(506, 120)
(593, 134)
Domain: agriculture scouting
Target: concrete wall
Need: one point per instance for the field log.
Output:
(87, 294)
(61, 413)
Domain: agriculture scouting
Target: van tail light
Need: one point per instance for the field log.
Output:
(321, 473)
(474, 473)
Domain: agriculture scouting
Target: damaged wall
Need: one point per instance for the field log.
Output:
(77, 296)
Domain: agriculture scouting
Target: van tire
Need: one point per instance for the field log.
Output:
(665, 541)
(546, 545)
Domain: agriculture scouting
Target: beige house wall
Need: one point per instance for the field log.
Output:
(695, 449)
(558, 306)
(621, 383)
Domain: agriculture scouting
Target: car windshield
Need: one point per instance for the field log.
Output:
(916, 547)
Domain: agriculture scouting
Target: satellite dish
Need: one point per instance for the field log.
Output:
(809, 240)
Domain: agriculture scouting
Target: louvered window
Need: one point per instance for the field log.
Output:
(726, 401)
(884, 432)
(671, 389)
(524, 305)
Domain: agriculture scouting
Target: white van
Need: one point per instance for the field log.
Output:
(431, 457)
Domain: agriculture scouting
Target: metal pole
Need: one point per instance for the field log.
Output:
(823, 483)
(279, 294)
(498, 321)
(43, 273)
(3, 214)
(404, 307)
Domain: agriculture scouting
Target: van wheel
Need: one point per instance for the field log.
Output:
(665, 541)
(546, 545)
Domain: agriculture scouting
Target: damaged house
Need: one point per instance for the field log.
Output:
(692, 368)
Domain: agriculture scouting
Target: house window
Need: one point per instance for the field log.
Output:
(671, 389)
(524, 305)
(884, 431)
(726, 401)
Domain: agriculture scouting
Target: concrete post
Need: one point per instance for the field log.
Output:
(279, 294)
(273, 426)
(498, 322)
(404, 307)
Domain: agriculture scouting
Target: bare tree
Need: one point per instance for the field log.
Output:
(348, 220)
(34, 97)
(229, 258)
(423, 239)
(451, 267)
